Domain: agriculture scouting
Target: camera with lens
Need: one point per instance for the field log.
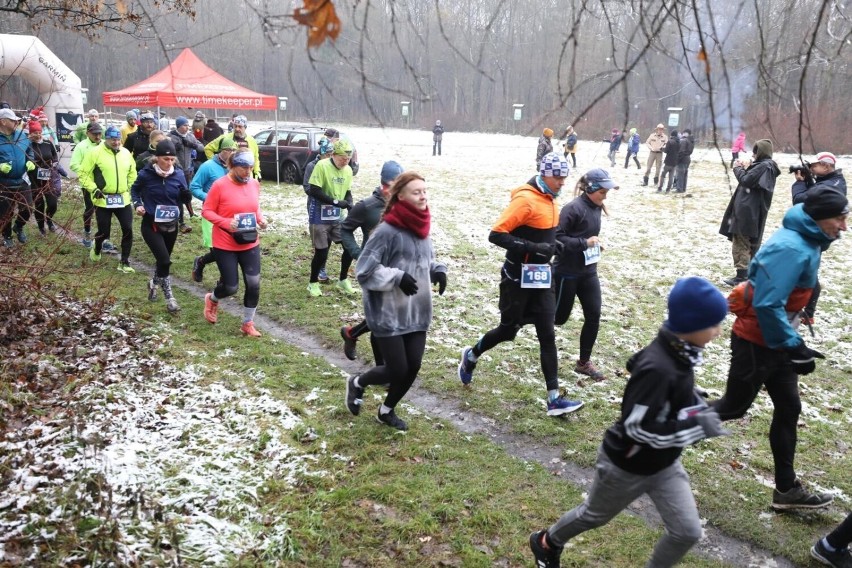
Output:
(805, 170)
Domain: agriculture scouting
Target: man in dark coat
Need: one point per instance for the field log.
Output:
(684, 158)
(745, 217)
(670, 162)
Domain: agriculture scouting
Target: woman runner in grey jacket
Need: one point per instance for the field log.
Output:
(395, 270)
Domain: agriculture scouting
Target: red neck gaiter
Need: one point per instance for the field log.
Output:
(406, 216)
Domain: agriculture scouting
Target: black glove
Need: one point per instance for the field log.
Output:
(408, 284)
(803, 358)
(98, 194)
(560, 246)
(710, 422)
(440, 278)
(544, 249)
(343, 204)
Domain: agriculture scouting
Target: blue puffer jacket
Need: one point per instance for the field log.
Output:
(789, 260)
(14, 149)
(210, 171)
(633, 143)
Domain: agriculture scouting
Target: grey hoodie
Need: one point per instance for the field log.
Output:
(389, 254)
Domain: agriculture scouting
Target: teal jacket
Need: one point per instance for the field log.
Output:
(15, 149)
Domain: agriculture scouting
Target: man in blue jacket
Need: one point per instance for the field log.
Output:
(16, 159)
(766, 348)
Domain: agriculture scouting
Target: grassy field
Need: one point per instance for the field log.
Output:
(365, 496)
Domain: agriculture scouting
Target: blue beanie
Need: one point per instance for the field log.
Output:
(390, 171)
(695, 304)
(181, 121)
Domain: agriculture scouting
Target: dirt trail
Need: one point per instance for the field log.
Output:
(715, 544)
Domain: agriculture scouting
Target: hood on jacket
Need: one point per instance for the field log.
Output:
(795, 219)
(530, 186)
(762, 149)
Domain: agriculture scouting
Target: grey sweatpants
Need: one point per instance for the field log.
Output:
(614, 489)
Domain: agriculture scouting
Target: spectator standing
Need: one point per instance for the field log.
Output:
(198, 124)
(766, 348)
(545, 146)
(656, 142)
(745, 217)
(684, 158)
(185, 145)
(823, 174)
(137, 142)
(164, 123)
(395, 270)
(661, 414)
(614, 144)
(737, 147)
(633, 149)
(241, 139)
(47, 132)
(527, 230)
(670, 162)
(570, 146)
(437, 136)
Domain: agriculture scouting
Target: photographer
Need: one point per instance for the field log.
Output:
(809, 177)
(822, 174)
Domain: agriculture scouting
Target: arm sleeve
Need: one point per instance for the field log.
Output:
(646, 399)
(776, 275)
(567, 218)
(86, 169)
(353, 221)
(371, 273)
(196, 186)
(211, 204)
(509, 220)
(211, 149)
(799, 191)
(317, 193)
(136, 190)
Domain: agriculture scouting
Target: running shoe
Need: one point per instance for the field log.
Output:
(349, 343)
(560, 406)
(125, 268)
(392, 420)
(544, 557)
(197, 269)
(354, 396)
(466, 367)
(345, 286)
(248, 329)
(211, 309)
(314, 289)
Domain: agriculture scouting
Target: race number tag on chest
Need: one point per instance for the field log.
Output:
(535, 276)
(246, 221)
(43, 173)
(329, 213)
(114, 200)
(166, 213)
(592, 254)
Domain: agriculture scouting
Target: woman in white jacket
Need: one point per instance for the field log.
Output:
(395, 270)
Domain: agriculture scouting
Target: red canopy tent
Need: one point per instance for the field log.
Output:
(187, 82)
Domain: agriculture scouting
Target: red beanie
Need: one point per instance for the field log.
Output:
(34, 126)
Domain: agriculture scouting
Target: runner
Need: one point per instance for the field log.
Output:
(394, 270)
(156, 195)
(575, 268)
(233, 206)
(527, 230)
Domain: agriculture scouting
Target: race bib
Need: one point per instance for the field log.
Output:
(114, 200)
(166, 213)
(592, 254)
(329, 213)
(246, 221)
(43, 173)
(535, 276)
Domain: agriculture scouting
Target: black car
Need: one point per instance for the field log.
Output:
(297, 147)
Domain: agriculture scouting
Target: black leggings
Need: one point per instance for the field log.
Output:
(45, 204)
(125, 221)
(249, 261)
(88, 211)
(11, 197)
(842, 535)
(320, 258)
(360, 329)
(403, 357)
(160, 242)
(543, 323)
(573, 158)
(635, 159)
(753, 366)
(586, 287)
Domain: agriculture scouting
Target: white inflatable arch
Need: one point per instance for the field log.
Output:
(59, 88)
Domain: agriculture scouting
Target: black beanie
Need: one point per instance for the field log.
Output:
(825, 203)
(165, 148)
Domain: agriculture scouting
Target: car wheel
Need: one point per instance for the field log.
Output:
(290, 173)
